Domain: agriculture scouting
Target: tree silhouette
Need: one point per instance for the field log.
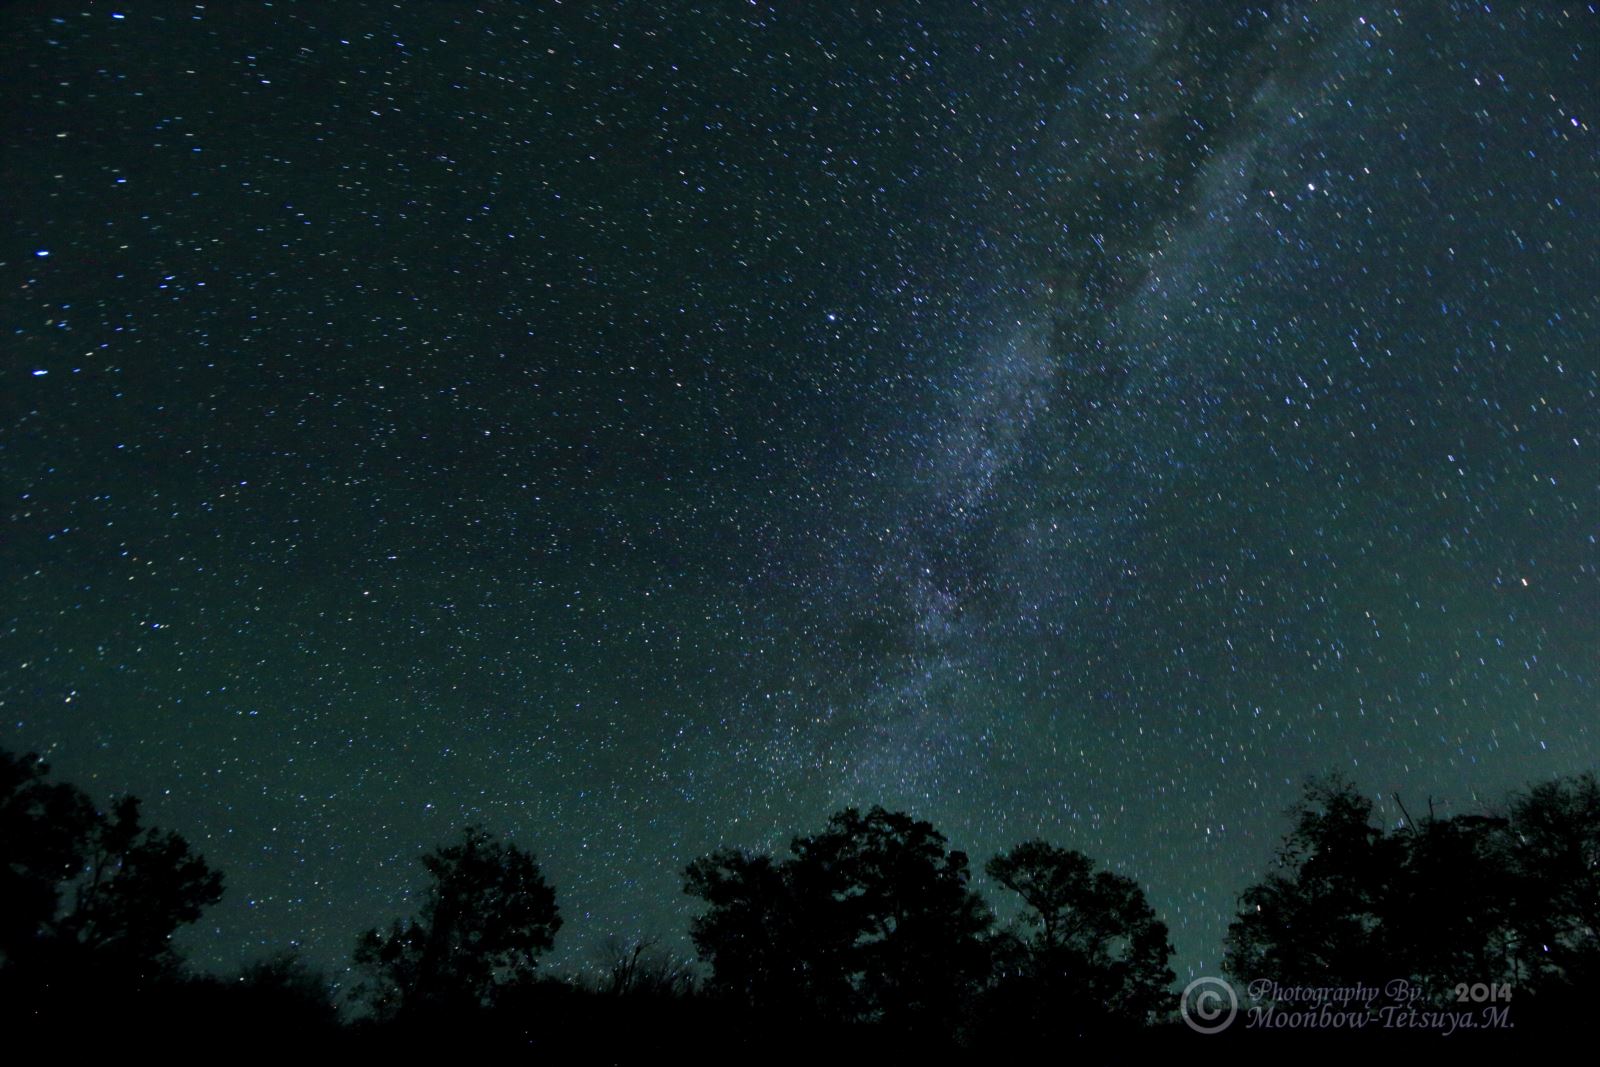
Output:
(90, 892)
(1097, 960)
(1448, 914)
(916, 926)
(872, 920)
(139, 886)
(1508, 898)
(486, 917)
(1554, 852)
(753, 931)
(1318, 918)
(44, 832)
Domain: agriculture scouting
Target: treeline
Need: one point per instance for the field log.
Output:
(867, 934)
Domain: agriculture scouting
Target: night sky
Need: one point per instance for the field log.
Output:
(643, 428)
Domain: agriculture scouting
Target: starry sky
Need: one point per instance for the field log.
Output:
(641, 428)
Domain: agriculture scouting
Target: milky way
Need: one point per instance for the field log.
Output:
(643, 431)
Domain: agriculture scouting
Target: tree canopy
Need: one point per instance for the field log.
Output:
(1321, 911)
(870, 920)
(1554, 852)
(487, 915)
(86, 891)
(1511, 897)
(1097, 959)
